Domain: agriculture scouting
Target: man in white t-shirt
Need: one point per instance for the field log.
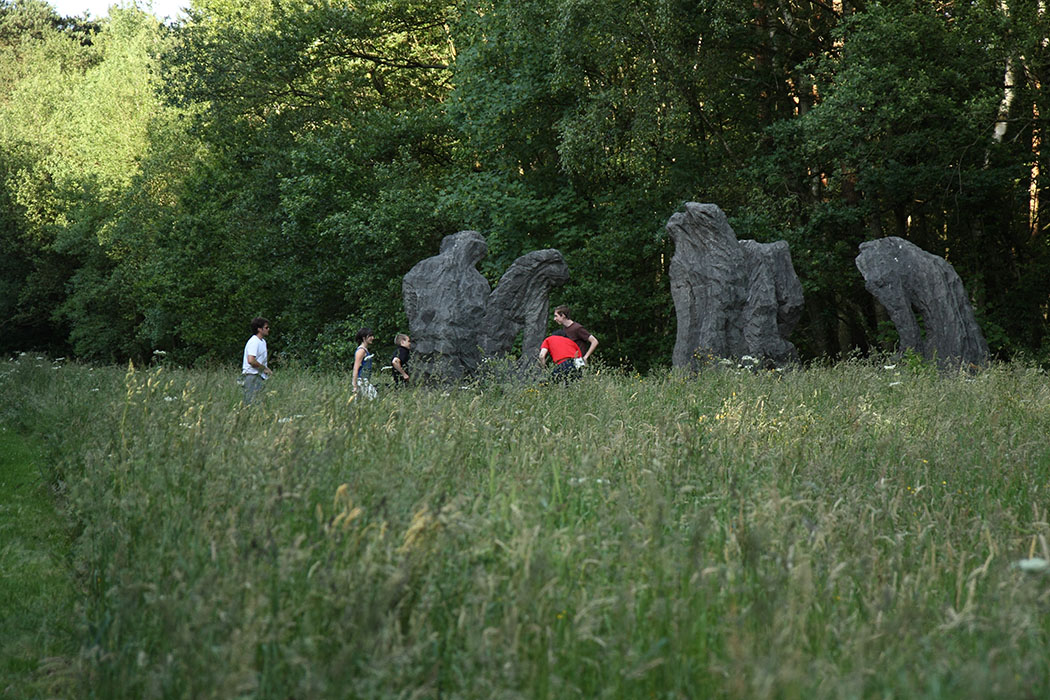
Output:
(253, 367)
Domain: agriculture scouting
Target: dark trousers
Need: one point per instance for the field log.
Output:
(566, 372)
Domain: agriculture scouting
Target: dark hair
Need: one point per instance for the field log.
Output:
(364, 333)
(563, 310)
(560, 333)
(257, 323)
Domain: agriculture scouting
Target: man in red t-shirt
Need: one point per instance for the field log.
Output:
(562, 352)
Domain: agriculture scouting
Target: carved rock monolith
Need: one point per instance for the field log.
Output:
(911, 283)
(445, 299)
(708, 285)
(732, 298)
(454, 319)
(774, 301)
(519, 304)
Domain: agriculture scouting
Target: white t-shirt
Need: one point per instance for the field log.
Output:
(255, 346)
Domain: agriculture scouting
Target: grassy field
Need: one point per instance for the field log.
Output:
(36, 591)
(843, 531)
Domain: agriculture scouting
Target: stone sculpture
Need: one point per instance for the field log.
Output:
(455, 320)
(908, 281)
(732, 298)
(519, 304)
(774, 301)
(445, 299)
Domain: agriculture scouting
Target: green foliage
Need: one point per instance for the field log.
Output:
(160, 185)
(901, 143)
(847, 530)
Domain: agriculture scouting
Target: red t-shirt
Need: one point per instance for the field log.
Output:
(560, 348)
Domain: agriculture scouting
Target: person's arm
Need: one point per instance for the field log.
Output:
(397, 365)
(359, 355)
(258, 365)
(543, 357)
(594, 343)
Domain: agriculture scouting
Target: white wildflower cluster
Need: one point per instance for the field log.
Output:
(1033, 565)
(890, 368)
(582, 480)
(746, 363)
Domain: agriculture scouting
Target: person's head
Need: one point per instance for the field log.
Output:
(402, 340)
(365, 336)
(260, 324)
(562, 315)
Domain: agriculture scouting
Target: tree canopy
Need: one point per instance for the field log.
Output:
(162, 184)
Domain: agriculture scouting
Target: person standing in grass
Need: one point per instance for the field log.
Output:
(575, 332)
(399, 365)
(363, 365)
(562, 351)
(254, 369)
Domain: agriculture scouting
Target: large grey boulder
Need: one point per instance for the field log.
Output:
(520, 302)
(708, 285)
(908, 281)
(774, 301)
(732, 298)
(445, 299)
(455, 321)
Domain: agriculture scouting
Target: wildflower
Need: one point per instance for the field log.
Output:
(1033, 565)
(896, 383)
(159, 352)
(889, 366)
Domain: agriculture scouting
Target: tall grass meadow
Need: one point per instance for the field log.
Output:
(849, 530)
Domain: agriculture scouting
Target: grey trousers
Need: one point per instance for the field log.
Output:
(253, 384)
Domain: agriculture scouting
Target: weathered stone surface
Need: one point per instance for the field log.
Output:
(455, 320)
(732, 298)
(708, 285)
(445, 299)
(774, 301)
(908, 281)
(520, 303)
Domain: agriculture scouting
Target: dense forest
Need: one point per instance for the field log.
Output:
(162, 184)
